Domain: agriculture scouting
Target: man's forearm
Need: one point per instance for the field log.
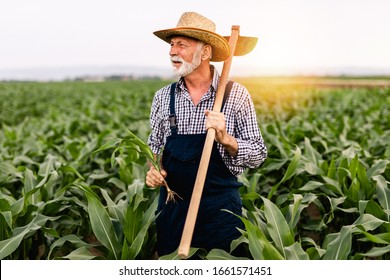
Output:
(231, 145)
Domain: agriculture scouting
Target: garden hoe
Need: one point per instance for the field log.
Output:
(239, 45)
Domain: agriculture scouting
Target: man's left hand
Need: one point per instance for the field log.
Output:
(217, 121)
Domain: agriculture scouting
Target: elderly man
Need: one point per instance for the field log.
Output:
(180, 116)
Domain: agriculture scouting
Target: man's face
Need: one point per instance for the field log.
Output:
(185, 55)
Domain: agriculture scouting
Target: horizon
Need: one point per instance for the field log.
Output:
(58, 73)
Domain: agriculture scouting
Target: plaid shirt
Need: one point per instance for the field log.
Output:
(240, 118)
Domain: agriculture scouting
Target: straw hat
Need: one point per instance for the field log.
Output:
(196, 26)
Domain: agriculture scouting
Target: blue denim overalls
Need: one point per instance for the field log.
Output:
(214, 228)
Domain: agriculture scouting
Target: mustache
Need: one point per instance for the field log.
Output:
(176, 58)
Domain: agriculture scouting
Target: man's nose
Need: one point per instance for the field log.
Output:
(173, 51)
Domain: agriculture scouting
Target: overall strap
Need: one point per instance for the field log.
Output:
(172, 113)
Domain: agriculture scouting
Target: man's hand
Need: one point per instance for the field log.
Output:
(217, 121)
(154, 178)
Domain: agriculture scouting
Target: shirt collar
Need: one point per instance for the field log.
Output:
(214, 82)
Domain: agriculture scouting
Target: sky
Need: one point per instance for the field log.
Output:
(295, 37)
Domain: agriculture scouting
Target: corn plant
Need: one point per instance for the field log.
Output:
(72, 177)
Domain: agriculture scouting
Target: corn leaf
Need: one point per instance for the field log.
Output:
(377, 252)
(383, 192)
(381, 238)
(75, 240)
(340, 247)
(295, 252)
(113, 143)
(290, 172)
(132, 225)
(277, 226)
(175, 256)
(72, 170)
(294, 210)
(139, 240)
(102, 225)
(116, 211)
(259, 246)
(142, 146)
(8, 246)
(218, 254)
(81, 253)
(368, 222)
(377, 168)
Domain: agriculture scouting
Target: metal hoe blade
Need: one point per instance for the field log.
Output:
(244, 45)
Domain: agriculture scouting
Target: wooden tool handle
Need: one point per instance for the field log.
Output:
(192, 213)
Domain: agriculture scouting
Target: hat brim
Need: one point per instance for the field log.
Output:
(219, 44)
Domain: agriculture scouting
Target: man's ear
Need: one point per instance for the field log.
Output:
(206, 52)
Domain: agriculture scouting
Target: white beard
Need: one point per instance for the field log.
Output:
(186, 68)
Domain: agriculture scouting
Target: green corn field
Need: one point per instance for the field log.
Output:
(71, 187)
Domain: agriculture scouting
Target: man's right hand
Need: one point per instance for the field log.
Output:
(154, 178)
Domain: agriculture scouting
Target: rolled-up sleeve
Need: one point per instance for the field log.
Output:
(156, 137)
(252, 151)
